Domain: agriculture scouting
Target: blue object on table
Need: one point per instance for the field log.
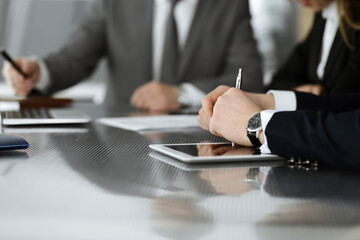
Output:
(8, 142)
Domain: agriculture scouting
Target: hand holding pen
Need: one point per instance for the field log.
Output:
(226, 111)
(21, 74)
(208, 103)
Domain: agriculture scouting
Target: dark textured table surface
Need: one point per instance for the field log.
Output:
(98, 182)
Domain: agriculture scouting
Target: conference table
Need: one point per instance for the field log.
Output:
(93, 181)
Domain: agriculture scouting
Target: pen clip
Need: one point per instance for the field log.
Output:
(238, 79)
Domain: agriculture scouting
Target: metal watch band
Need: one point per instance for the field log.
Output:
(183, 98)
(253, 139)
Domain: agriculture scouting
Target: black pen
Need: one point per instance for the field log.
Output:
(7, 57)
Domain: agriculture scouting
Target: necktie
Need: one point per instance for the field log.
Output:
(171, 48)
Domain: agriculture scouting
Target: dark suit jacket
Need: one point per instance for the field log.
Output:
(325, 129)
(342, 71)
(219, 42)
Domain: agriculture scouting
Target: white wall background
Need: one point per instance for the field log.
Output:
(275, 28)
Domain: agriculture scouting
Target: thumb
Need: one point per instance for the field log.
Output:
(30, 68)
(27, 65)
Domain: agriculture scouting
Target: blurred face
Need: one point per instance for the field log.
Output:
(315, 5)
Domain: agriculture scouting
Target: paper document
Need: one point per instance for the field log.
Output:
(169, 122)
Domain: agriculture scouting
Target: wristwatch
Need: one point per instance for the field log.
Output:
(183, 97)
(253, 129)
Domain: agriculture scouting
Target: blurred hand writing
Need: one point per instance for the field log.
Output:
(21, 85)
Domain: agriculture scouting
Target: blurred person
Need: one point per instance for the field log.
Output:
(328, 61)
(161, 54)
(275, 28)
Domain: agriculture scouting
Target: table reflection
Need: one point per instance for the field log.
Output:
(100, 178)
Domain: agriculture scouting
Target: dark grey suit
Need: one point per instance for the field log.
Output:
(219, 42)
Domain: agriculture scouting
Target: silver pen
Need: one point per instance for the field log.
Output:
(238, 86)
(238, 80)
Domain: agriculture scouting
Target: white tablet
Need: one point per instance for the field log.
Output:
(213, 152)
(213, 165)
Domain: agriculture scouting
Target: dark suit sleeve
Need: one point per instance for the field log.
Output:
(240, 52)
(330, 102)
(78, 59)
(348, 80)
(294, 71)
(329, 138)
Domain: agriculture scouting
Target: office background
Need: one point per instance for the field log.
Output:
(29, 27)
(92, 183)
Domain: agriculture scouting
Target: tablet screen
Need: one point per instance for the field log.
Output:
(214, 149)
(211, 152)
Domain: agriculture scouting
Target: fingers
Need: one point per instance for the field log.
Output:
(206, 112)
(208, 103)
(20, 84)
(26, 66)
(203, 120)
(15, 80)
(205, 174)
(231, 113)
(317, 89)
(220, 151)
(207, 107)
(22, 88)
(155, 96)
(139, 97)
(216, 121)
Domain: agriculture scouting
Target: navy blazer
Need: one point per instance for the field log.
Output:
(342, 70)
(325, 128)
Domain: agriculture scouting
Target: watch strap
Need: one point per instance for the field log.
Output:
(183, 97)
(253, 139)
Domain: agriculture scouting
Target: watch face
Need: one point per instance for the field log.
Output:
(254, 123)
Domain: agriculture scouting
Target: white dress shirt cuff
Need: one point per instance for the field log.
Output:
(265, 119)
(194, 94)
(44, 77)
(284, 100)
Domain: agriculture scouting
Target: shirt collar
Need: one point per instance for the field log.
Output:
(331, 13)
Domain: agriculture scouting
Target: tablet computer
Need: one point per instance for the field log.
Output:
(213, 165)
(213, 152)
